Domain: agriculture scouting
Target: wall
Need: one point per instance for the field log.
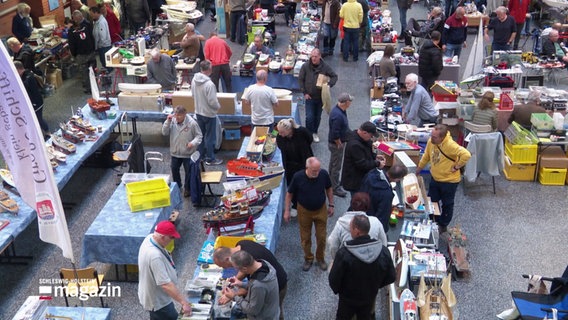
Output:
(39, 8)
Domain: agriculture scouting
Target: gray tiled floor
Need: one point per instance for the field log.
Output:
(521, 229)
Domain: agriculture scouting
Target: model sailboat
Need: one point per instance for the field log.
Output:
(474, 66)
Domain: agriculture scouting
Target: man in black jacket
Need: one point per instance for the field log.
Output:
(32, 88)
(82, 47)
(23, 53)
(552, 48)
(358, 157)
(361, 267)
(430, 61)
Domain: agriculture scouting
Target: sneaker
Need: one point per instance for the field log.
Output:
(186, 193)
(340, 192)
(307, 265)
(215, 162)
(316, 138)
(293, 213)
(323, 265)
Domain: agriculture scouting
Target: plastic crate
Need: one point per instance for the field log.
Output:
(552, 176)
(440, 97)
(516, 134)
(505, 102)
(519, 172)
(149, 194)
(232, 134)
(230, 241)
(521, 153)
(542, 121)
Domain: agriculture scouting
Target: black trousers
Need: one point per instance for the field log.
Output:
(346, 310)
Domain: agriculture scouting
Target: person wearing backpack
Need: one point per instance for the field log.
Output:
(33, 90)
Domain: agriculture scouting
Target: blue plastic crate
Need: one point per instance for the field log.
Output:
(232, 134)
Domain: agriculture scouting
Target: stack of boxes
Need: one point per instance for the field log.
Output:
(553, 163)
(521, 153)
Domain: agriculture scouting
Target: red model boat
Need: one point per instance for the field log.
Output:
(98, 106)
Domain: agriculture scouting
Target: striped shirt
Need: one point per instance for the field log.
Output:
(486, 116)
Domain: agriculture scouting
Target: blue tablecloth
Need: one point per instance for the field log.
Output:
(239, 117)
(62, 175)
(275, 80)
(117, 233)
(78, 313)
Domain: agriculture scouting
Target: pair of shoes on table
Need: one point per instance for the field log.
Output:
(340, 192)
(307, 265)
(323, 265)
(316, 138)
(215, 162)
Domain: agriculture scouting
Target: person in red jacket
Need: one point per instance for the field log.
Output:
(455, 33)
(219, 53)
(113, 23)
(518, 10)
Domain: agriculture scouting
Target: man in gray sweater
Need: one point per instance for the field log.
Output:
(162, 70)
(206, 108)
(185, 138)
(258, 299)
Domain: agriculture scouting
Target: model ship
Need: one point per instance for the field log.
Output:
(248, 60)
(459, 256)
(7, 177)
(289, 61)
(8, 204)
(57, 155)
(82, 124)
(242, 168)
(71, 134)
(98, 106)
(408, 307)
(63, 145)
(238, 207)
(437, 302)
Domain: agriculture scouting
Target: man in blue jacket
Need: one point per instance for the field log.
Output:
(455, 33)
(377, 184)
(338, 131)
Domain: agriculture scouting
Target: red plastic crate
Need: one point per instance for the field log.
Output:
(440, 97)
(505, 102)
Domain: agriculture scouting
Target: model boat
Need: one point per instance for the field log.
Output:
(459, 256)
(289, 61)
(57, 155)
(9, 205)
(248, 61)
(242, 168)
(263, 58)
(275, 65)
(7, 177)
(228, 216)
(63, 145)
(83, 125)
(436, 306)
(408, 308)
(71, 134)
(400, 259)
(98, 106)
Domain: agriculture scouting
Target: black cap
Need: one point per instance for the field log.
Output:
(369, 127)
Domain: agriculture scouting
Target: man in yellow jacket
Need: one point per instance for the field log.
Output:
(446, 157)
(352, 14)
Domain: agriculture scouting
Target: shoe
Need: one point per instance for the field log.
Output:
(307, 265)
(293, 213)
(316, 138)
(215, 162)
(323, 265)
(340, 192)
(186, 193)
(442, 229)
(509, 314)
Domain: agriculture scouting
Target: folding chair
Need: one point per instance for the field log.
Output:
(80, 282)
(209, 178)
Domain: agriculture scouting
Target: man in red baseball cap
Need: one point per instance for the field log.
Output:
(157, 286)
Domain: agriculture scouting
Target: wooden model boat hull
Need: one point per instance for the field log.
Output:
(436, 307)
(400, 259)
(217, 216)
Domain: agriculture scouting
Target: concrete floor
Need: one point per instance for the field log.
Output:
(521, 229)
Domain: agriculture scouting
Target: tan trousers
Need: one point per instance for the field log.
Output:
(319, 219)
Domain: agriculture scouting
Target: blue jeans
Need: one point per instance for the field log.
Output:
(499, 47)
(444, 192)
(329, 36)
(176, 166)
(313, 114)
(208, 127)
(453, 50)
(351, 42)
(166, 313)
(402, 20)
(102, 52)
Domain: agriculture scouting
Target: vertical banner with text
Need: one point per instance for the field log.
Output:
(23, 149)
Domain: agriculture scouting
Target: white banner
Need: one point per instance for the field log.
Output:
(23, 149)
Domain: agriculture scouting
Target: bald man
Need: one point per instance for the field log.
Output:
(263, 100)
(162, 69)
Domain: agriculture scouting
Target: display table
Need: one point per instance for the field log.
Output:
(450, 72)
(275, 80)
(238, 117)
(79, 313)
(18, 223)
(117, 233)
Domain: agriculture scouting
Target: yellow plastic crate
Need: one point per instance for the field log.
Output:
(149, 194)
(552, 176)
(230, 241)
(519, 171)
(521, 153)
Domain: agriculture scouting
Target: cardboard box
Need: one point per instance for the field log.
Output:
(48, 21)
(55, 78)
(377, 93)
(261, 67)
(232, 145)
(137, 102)
(184, 98)
(228, 101)
(553, 157)
(284, 106)
(388, 148)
